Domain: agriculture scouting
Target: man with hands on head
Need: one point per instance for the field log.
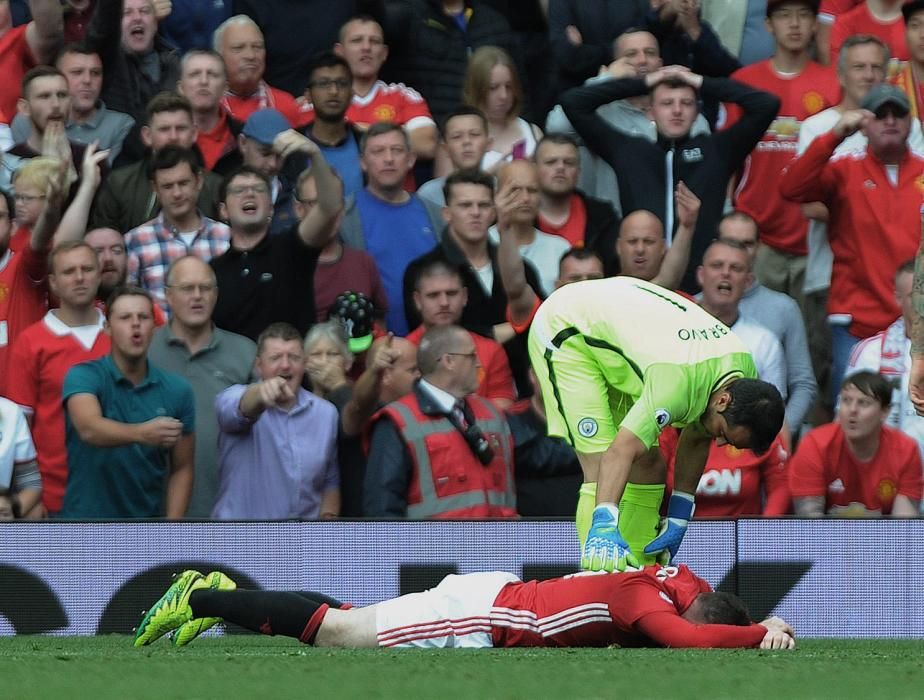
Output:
(648, 171)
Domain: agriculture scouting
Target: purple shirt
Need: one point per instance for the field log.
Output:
(278, 466)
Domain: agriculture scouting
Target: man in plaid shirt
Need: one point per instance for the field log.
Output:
(179, 230)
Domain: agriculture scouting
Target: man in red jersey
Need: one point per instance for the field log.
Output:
(804, 88)
(881, 18)
(857, 466)
(655, 606)
(736, 482)
(46, 350)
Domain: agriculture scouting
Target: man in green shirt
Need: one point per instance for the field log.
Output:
(618, 360)
(130, 426)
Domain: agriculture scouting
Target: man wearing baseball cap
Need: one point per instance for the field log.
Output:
(804, 88)
(874, 197)
(256, 145)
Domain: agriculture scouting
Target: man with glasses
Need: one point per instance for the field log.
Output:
(179, 229)
(441, 451)
(210, 358)
(267, 278)
(330, 91)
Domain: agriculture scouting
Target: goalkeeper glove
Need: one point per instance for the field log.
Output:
(605, 548)
(673, 527)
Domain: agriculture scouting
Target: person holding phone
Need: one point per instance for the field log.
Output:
(493, 86)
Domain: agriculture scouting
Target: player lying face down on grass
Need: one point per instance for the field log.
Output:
(655, 606)
(618, 360)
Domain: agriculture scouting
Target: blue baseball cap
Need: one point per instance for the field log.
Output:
(265, 125)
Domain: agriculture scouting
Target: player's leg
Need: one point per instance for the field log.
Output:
(639, 509)
(267, 612)
(574, 394)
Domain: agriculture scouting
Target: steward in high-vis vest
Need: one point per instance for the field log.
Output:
(439, 464)
(441, 451)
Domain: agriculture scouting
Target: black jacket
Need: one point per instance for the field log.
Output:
(601, 230)
(705, 163)
(428, 51)
(125, 86)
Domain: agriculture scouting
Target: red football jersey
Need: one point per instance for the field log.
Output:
(596, 609)
(824, 466)
(860, 21)
(385, 102)
(242, 107)
(736, 482)
(23, 298)
(781, 223)
(41, 356)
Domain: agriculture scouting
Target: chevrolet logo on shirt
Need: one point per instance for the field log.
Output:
(869, 185)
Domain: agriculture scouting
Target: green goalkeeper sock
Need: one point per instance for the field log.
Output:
(587, 501)
(639, 517)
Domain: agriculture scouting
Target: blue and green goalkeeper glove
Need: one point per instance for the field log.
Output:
(605, 548)
(673, 527)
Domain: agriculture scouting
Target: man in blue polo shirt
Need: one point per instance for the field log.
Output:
(130, 439)
(392, 225)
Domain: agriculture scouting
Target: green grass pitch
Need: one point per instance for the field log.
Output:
(271, 668)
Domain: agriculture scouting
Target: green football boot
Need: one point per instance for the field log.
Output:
(188, 631)
(172, 610)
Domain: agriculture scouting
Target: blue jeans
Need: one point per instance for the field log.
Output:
(842, 344)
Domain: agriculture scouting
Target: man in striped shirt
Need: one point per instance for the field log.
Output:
(179, 230)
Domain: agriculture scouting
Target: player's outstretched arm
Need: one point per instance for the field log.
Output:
(670, 630)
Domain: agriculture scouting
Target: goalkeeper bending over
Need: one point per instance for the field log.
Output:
(618, 360)
(656, 606)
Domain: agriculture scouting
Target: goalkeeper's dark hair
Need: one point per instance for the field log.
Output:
(758, 406)
(718, 608)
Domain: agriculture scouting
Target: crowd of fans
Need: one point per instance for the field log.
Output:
(278, 259)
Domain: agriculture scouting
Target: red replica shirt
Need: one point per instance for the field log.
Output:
(825, 466)
(874, 225)
(830, 9)
(385, 102)
(782, 225)
(42, 355)
(15, 59)
(573, 228)
(596, 609)
(736, 482)
(495, 380)
(242, 107)
(860, 21)
(23, 299)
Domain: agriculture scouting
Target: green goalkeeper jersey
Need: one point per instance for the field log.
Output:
(656, 347)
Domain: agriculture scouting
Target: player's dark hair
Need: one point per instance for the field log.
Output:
(469, 176)
(871, 384)
(757, 406)
(718, 608)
